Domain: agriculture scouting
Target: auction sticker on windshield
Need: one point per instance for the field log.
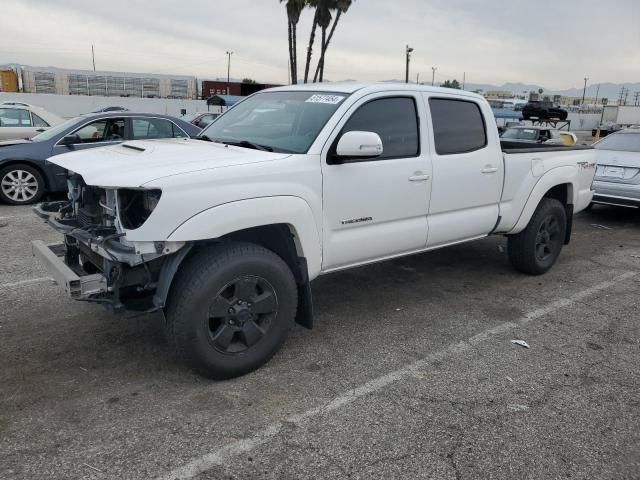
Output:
(322, 98)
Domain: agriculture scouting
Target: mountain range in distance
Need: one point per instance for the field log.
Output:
(603, 90)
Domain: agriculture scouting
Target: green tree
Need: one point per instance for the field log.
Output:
(294, 10)
(451, 84)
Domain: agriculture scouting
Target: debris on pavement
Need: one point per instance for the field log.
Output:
(510, 379)
(597, 225)
(522, 343)
(517, 407)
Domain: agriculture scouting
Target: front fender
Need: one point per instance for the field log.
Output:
(557, 176)
(231, 217)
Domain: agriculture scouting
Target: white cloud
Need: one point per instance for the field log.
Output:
(547, 42)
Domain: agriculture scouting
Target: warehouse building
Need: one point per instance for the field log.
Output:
(109, 84)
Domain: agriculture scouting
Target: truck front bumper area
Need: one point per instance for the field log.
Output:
(78, 285)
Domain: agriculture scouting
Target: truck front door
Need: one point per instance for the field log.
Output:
(467, 171)
(377, 207)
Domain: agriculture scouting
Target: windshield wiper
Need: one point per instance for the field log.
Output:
(202, 137)
(248, 144)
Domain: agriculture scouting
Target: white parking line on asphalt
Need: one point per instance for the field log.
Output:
(22, 283)
(221, 455)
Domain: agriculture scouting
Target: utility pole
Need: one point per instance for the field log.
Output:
(584, 90)
(626, 95)
(93, 58)
(418, 78)
(464, 79)
(597, 92)
(621, 95)
(635, 98)
(433, 75)
(228, 69)
(407, 52)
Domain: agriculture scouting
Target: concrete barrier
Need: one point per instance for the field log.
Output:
(68, 106)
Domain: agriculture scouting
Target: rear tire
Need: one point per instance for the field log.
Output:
(230, 309)
(21, 184)
(537, 247)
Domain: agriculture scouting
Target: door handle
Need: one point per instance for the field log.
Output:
(419, 177)
(489, 169)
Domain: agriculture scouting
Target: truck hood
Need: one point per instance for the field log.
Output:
(135, 163)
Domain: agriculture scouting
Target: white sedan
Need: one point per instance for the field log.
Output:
(617, 180)
(21, 121)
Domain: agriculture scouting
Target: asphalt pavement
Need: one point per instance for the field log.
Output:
(410, 372)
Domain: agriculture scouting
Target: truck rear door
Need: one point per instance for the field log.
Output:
(468, 170)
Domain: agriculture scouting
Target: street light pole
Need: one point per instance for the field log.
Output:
(584, 90)
(433, 75)
(407, 51)
(228, 69)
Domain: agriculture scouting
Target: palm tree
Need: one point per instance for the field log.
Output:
(312, 36)
(341, 6)
(294, 9)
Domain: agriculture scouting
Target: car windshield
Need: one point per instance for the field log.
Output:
(49, 133)
(286, 121)
(621, 141)
(188, 117)
(521, 134)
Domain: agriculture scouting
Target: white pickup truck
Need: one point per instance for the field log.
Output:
(224, 233)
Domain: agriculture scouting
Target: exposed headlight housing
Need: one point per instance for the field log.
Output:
(135, 206)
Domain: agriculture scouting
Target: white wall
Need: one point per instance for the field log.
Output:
(584, 121)
(68, 106)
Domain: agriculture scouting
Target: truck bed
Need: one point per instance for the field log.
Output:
(508, 146)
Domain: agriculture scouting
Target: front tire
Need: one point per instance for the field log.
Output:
(230, 309)
(537, 247)
(21, 184)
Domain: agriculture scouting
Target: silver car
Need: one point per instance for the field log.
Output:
(19, 120)
(617, 180)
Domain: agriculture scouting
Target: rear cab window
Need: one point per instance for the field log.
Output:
(458, 126)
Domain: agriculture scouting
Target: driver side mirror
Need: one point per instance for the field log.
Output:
(357, 145)
(70, 140)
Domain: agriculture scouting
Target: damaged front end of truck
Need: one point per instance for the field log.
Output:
(96, 262)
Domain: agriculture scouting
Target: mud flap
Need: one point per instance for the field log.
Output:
(567, 236)
(304, 315)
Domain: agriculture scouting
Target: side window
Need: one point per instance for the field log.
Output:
(14, 117)
(37, 121)
(458, 126)
(105, 130)
(395, 120)
(149, 128)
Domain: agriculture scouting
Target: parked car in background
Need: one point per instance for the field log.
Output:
(19, 121)
(543, 110)
(617, 180)
(549, 136)
(24, 174)
(112, 109)
(200, 119)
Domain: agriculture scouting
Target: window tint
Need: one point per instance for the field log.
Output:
(149, 128)
(37, 121)
(629, 142)
(13, 117)
(395, 120)
(105, 130)
(458, 126)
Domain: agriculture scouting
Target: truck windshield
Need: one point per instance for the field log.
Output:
(521, 133)
(621, 141)
(285, 121)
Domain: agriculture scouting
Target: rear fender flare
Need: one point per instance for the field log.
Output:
(554, 177)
